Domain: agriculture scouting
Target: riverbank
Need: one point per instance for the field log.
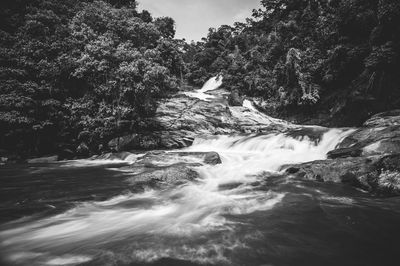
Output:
(368, 158)
(225, 200)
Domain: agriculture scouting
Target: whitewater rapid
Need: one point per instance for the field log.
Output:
(201, 94)
(146, 223)
(187, 211)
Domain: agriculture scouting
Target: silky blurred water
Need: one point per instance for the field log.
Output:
(241, 212)
(244, 211)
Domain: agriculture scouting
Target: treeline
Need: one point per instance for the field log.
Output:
(335, 60)
(76, 73)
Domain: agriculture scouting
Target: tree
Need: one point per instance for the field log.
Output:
(166, 26)
(76, 71)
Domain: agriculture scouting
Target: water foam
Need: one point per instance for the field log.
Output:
(183, 213)
(212, 84)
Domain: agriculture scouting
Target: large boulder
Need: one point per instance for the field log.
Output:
(212, 158)
(377, 174)
(180, 119)
(333, 170)
(369, 158)
(163, 177)
(386, 119)
(379, 135)
(353, 151)
(161, 158)
(176, 139)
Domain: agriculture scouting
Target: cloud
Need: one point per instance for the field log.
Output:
(194, 17)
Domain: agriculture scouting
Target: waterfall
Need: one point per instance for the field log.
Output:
(212, 84)
(258, 116)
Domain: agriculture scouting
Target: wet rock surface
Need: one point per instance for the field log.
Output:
(369, 158)
(180, 119)
(161, 169)
(379, 135)
(169, 158)
(168, 176)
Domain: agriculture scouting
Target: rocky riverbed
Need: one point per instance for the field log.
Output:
(222, 185)
(369, 158)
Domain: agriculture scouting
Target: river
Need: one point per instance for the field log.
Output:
(244, 211)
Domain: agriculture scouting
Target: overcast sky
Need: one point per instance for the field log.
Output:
(194, 17)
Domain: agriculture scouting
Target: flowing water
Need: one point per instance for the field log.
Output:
(245, 211)
(201, 94)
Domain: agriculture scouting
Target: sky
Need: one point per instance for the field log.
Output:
(194, 17)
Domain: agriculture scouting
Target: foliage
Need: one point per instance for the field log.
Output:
(81, 66)
(308, 54)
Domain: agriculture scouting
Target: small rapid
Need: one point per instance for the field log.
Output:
(212, 84)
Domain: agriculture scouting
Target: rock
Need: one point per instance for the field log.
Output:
(212, 158)
(234, 99)
(50, 159)
(164, 177)
(176, 140)
(124, 143)
(161, 158)
(332, 170)
(83, 150)
(180, 119)
(386, 119)
(376, 174)
(368, 158)
(379, 135)
(345, 152)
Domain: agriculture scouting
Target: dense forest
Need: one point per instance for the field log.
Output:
(79, 72)
(75, 74)
(337, 61)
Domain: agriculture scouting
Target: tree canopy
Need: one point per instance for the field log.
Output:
(77, 71)
(310, 55)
